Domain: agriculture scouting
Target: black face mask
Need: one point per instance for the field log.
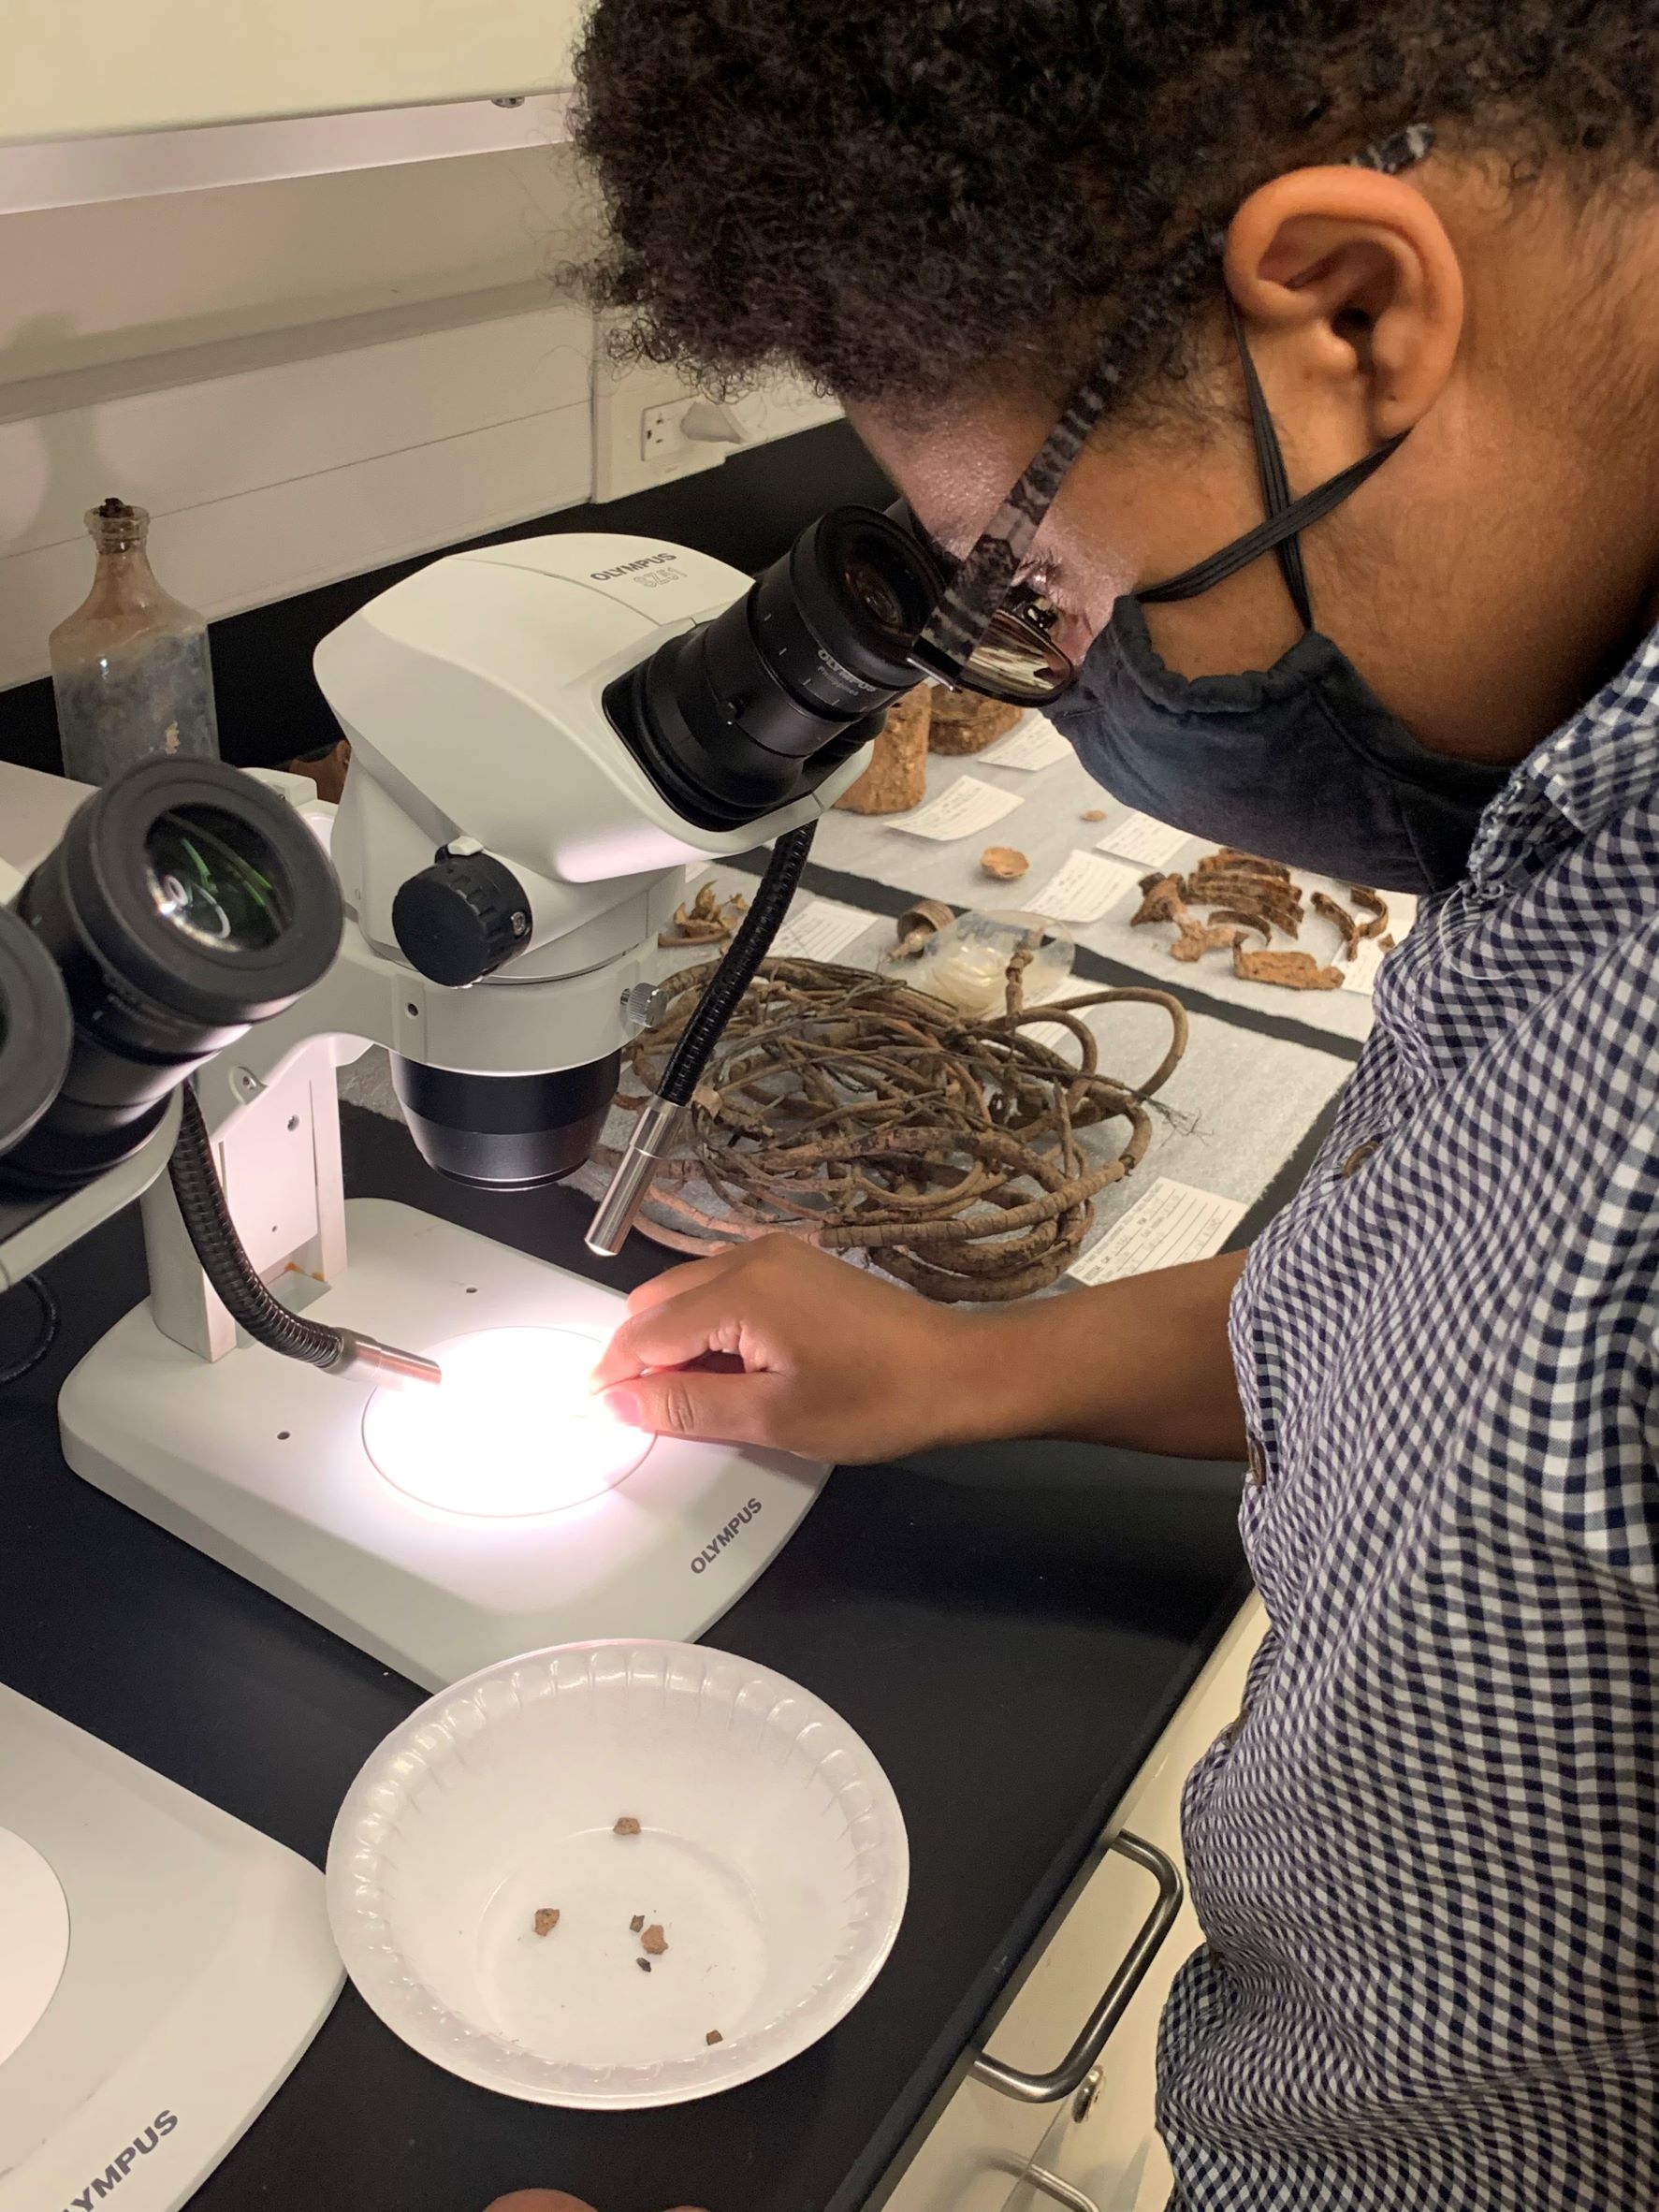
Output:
(1301, 762)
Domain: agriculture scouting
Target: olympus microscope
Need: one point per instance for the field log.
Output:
(380, 1416)
(543, 735)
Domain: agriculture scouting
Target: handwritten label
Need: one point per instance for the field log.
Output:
(1173, 1223)
(966, 807)
(1084, 888)
(1140, 837)
(1031, 743)
(819, 929)
(1359, 973)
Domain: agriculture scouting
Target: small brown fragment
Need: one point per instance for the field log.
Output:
(919, 924)
(1095, 814)
(896, 777)
(1219, 914)
(1197, 939)
(1374, 904)
(636, 1923)
(1265, 894)
(546, 1919)
(1003, 862)
(1229, 857)
(1294, 971)
(705, 921)
(653, 1939)
(714, 2035)
(963, 722)
(644, 1965)
(1163, 900)
(1386, 944)
(627, 1826)
(1339, 917)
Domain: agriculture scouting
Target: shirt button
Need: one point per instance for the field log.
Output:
(1359, 1155)
(1255, 1455)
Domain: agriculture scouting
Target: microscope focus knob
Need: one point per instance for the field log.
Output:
(459, 919)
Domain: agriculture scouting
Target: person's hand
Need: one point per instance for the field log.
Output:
(777, 1343)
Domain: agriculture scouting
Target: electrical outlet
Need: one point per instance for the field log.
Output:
(639, 436)
(661, 435)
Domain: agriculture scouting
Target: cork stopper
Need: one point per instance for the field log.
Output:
(116, 527)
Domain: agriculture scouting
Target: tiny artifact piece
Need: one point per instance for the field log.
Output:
(1197, 939)
(653, 1939)
(706, 921)
(636, 1923)
(546, 1919)
(1296, 971)
(963, 722)
(714, 2035)
(919, 924)
(627, 1826)
(1338, 915)
(1004, 861)
(644, 1965)
(896, 777)
(1095, 814)
(1374, 904)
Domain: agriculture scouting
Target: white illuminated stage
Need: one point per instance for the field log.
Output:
(439, 1529)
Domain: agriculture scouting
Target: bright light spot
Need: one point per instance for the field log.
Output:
(512, 1431)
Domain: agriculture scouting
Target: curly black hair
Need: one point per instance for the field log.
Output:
(913, 200)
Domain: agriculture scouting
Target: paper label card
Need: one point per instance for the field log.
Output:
(1359, 973)
(966, 807)
(1173, 1223)
(820, 929)
(1084, 888)
(1033, 744)
(1141, 838)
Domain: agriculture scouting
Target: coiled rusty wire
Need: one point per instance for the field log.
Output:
(862, 1115)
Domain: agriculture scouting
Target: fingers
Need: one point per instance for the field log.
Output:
(674, 1280)
(538, 2200)
(701, 1319)
(692, 1403)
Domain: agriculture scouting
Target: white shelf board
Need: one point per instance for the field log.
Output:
(141, 165)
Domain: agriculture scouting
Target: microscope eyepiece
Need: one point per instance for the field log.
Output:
(746, 713)
(34, 1030)
(185, 903)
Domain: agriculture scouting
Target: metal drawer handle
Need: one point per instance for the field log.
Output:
(1048, 2088)
(1050, 2184)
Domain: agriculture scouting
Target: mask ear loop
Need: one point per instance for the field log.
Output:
(1270, 471)
(1312, 507)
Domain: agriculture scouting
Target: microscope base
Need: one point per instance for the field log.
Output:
(260, 1462)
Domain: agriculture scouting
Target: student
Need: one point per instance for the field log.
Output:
(1413, 247)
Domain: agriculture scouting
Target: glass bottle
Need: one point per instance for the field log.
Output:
(130, 667)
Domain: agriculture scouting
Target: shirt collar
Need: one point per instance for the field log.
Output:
(1595, 765)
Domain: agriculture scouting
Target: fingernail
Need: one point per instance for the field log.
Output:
(622, 1405)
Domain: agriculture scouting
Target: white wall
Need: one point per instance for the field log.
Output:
(300, 380)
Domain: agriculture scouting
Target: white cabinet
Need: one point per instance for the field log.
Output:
(1101, 2144)
(107, 66)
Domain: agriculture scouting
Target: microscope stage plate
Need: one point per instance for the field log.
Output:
(260, 1462)
(197, 1965)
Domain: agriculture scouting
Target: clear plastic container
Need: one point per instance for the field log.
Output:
(130, 667)
(967, 964)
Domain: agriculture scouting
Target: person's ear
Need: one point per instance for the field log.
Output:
(1358, 270)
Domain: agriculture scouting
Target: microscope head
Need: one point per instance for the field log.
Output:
(544, 734)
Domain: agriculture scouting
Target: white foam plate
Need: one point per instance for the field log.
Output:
(772, 1853)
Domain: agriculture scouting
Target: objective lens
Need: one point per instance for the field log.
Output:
(185, 903)
(214, 879)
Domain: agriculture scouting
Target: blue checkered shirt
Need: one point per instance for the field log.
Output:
(1427, 1857)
